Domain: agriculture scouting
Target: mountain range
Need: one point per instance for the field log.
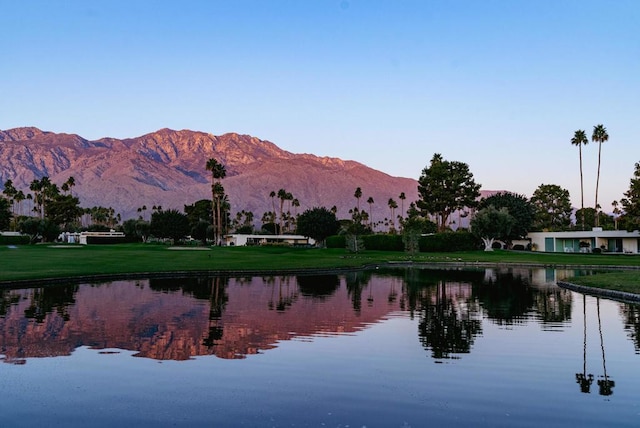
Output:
(167, 168)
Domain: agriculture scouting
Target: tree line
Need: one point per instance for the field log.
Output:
(445, 188)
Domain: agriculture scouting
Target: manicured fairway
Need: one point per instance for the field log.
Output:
(54, 261)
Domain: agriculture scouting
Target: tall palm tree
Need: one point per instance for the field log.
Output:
(599, 135)
(272, 195)
(218, 172)
(370, 202)
(616, 213)
(19, 197)
(10, 191)
(70, 183)
(579, 139)
(282, 195)
(358, 195)
(402, 197)
(392, 205)
(37, 187)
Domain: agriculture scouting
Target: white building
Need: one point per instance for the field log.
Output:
(609, 241)
(101, 237)
(242, 240)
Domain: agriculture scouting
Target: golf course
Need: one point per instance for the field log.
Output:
(55, 263)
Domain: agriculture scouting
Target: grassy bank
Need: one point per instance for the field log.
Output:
(51, 261)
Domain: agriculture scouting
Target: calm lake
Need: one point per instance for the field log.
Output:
(381, 348)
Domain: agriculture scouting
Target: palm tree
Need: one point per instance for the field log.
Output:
(358, 195)
(37, 187)
(218, 172)
(11, 193)
(272, 195)
(616, 213)
(19, 197)
(599, 135)
(69, 184)
(402, 198)
(392, 205)
(370, 202)
(282, 195)
(579, 139)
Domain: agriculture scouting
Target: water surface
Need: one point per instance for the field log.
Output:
(384, 348)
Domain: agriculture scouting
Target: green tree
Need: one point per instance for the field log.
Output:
(518, 206)
(444, 187)
(136, 229)
(317, 223)
(631, 201)
(599, 136)
(604, 220)
(39, 229)
(552, 208)
(491, 223)
(169, 224)
(5, 214)
(413, 227)
(580, 139)
(64, 210)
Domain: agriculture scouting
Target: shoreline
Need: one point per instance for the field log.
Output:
(607, 293)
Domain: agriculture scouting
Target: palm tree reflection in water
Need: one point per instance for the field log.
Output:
(605, 384)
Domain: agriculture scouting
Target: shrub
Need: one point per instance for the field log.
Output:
(336, 241)
(15, 240)
(596, 250)
(449, 241)
(383, 242)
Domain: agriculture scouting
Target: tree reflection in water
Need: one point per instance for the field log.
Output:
(45, 300)
(631, 318)
(319, 287)
(583, 379)
(449, 304)
(605, 383)
(356, 282)
(218, 301)
(449, 322)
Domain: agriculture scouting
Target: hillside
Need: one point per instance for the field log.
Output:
(167, 168)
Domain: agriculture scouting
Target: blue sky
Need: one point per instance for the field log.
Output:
(500, 85)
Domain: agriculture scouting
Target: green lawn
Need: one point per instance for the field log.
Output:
(51, 261)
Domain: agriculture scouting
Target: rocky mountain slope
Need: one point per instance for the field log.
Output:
(167, 168)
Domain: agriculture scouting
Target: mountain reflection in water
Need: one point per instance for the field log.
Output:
(181, 318)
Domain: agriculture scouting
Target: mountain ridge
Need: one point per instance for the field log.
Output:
(167, 168)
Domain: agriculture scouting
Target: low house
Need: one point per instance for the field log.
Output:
(242, 240)
(585, 241)
(111, 237)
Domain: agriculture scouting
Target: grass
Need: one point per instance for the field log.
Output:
(51, 261)
(628, 281)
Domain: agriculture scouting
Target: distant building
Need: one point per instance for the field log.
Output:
(242, 240)
(111, 237)
(609, 241)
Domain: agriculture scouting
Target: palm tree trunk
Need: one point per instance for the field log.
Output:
(219, 225)
(597, 185)
(581, 186)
